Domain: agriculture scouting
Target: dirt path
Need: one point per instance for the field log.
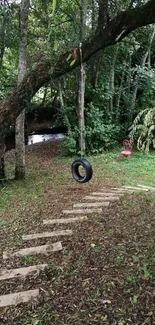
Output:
(72, 272)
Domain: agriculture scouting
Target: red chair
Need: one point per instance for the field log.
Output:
(128, 145)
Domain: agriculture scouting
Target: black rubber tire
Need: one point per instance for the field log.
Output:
(86, 166)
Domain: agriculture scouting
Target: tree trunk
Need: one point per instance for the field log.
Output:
(19, 127)
(120, 92)
(112, 79)
(129, 73)
(81, 101)
(50, 68)
(81, 95)
(44, 97)
(2, 167)
(3, 37)
(95, 70)
(61, 98)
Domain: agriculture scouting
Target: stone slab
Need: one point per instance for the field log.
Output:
(14, 299)
(150, 188)
(48, 234)
(43, 249)
(91, 205)
(121, 189)
(83, 211)
(63, 220)
(108, 194)
(101, 198)
(135, 188)
(21, 272)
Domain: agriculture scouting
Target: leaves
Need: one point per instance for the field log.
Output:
(69, 57)
(55, 45)
(72, 63)
(143, 129)
(54, 7)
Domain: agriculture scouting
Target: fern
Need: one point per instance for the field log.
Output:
(143, 129)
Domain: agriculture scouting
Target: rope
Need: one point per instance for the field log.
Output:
(82, 126)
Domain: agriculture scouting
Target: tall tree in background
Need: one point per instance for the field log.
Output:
(82, 81)
(3, 34)
(19, 133)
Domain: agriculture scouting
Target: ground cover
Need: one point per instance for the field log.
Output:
(105, 274)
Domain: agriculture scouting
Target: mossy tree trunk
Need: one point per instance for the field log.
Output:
(2, 167)
(20, 121)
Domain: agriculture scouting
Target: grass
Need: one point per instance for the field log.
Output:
(139, 168)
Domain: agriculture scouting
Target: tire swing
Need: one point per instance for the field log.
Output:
(81, 168)
(78, 175)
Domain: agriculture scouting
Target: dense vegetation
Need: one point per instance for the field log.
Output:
(120, 80)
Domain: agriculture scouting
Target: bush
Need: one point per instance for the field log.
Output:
(70, 143)
(102, 138)
(99, 136)
(143, 129)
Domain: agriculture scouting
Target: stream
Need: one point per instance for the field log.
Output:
(37, 136)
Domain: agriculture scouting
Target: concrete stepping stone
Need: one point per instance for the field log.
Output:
(21, 272)
(83, 211)
(147, 187)
(90, 205)
(122, 190)
(63, 220)
(135, 188)
(101, 198)
(14, 299)
(44, 249)
(108, 194)
(48, 234)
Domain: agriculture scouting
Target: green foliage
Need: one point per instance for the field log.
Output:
(143, 129)
(146, 88)
(99, 136)
(70, 145)
(57, 27)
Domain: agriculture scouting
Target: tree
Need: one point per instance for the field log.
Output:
(82, 81)
(105, 35)
(20, 134)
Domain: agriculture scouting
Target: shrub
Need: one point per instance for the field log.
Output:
(143, 129)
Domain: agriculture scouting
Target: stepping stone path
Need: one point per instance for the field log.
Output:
(47, 234)
(94, 204)
(82, 211)
(102, 198)
(43, 249)
(14, 299)
(63, 221)
(21, 272)
(90, 205)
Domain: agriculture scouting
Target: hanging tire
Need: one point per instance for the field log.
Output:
(88, 171)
